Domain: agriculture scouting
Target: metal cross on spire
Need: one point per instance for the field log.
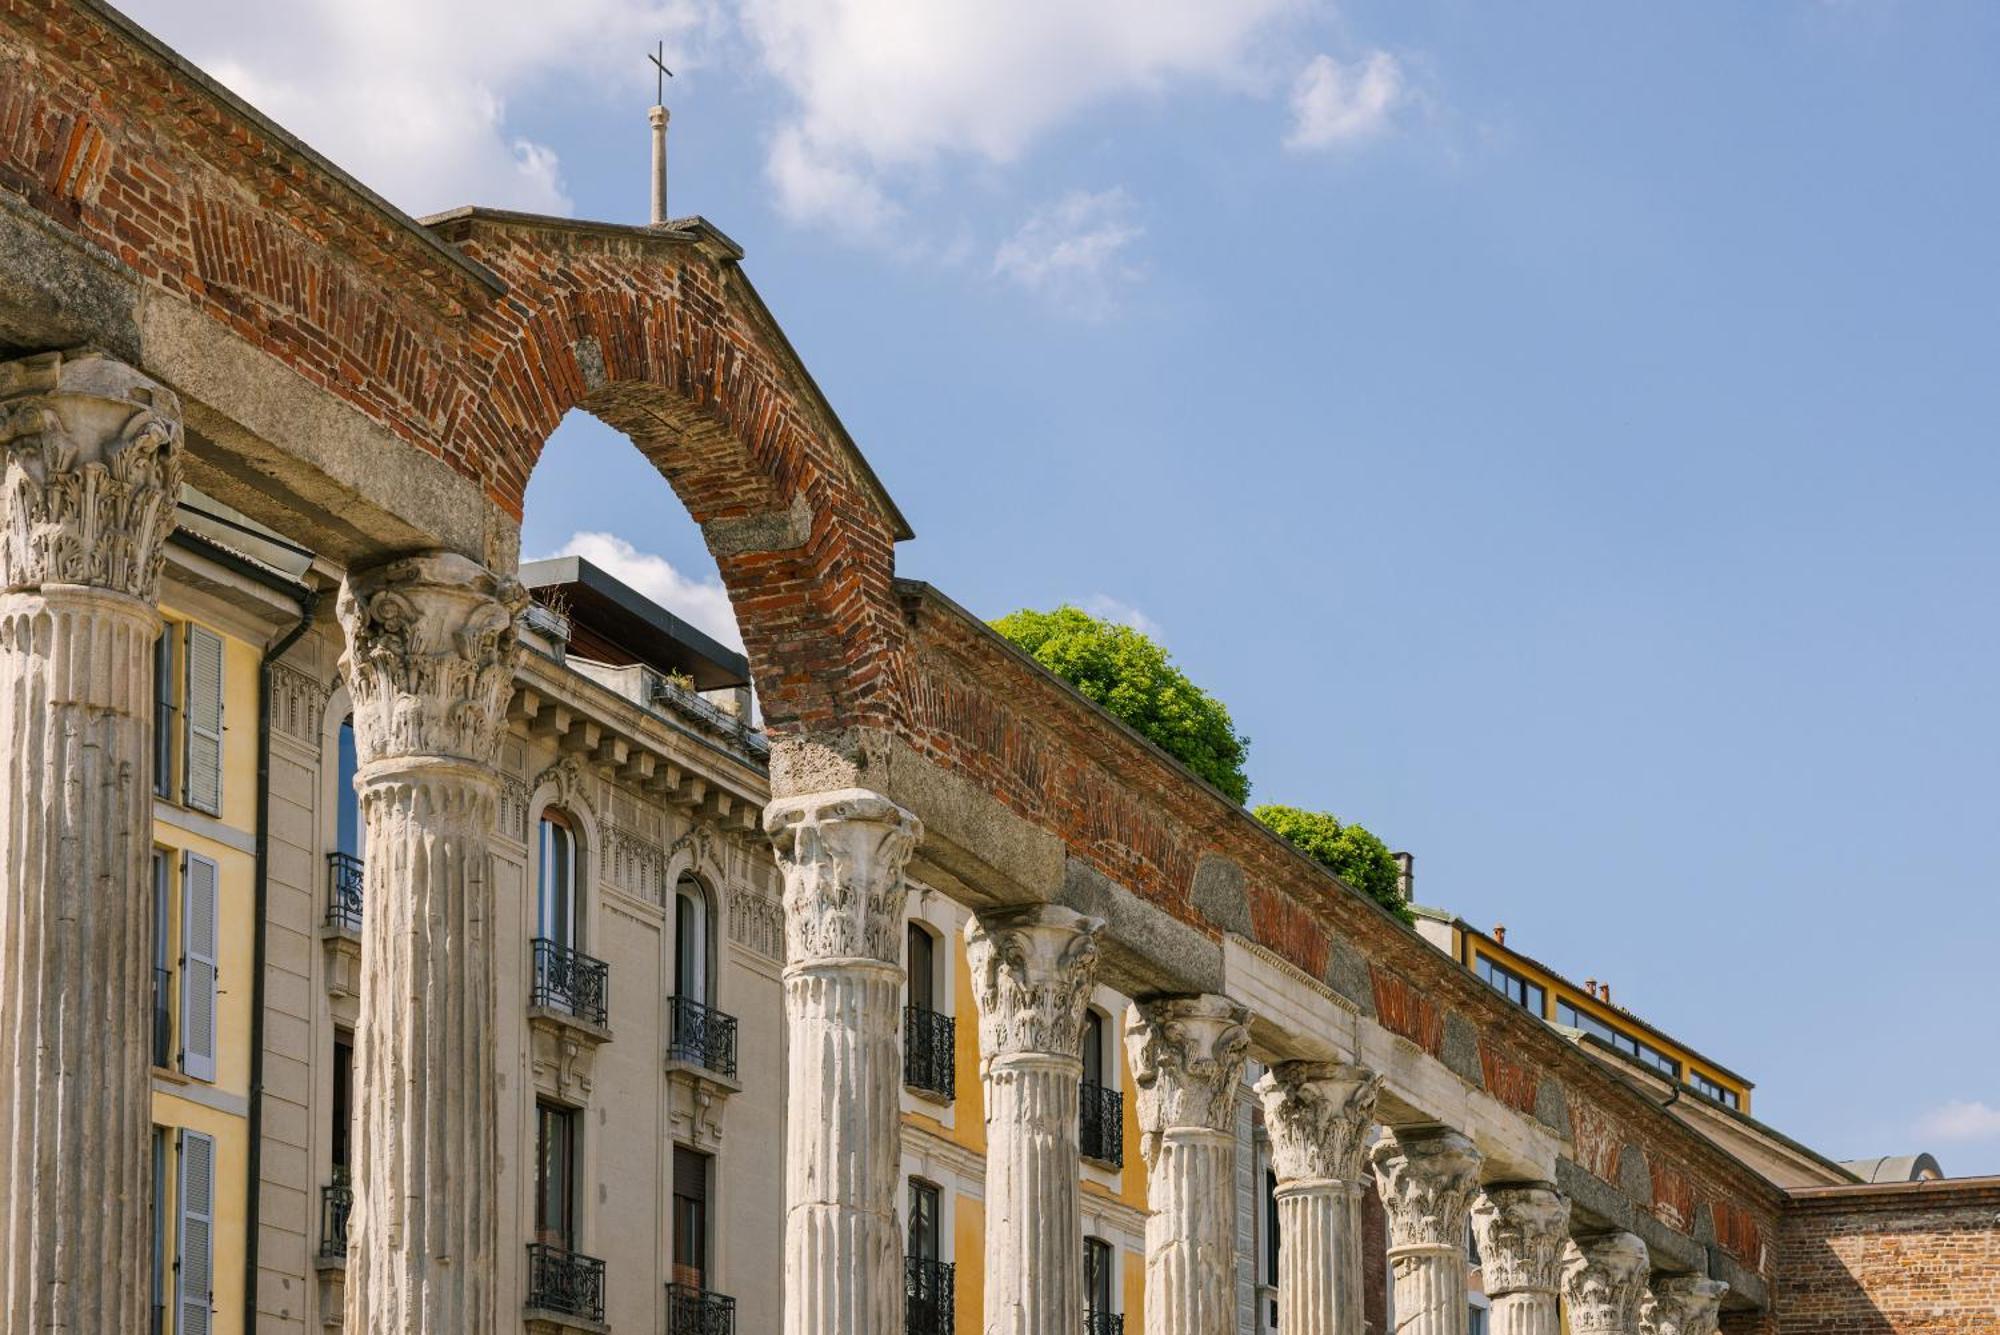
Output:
(661, 76)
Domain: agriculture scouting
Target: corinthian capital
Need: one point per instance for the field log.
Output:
(1426, 1178)
(93, 469)
(1319, 1115)
(1521, 1228)
(1032, 970)
(842, 855)
(430, 656)
(1682, 1305)
(1187, 1059)
(1604, 1282)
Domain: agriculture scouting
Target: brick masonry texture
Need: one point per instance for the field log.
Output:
(1890, 1260)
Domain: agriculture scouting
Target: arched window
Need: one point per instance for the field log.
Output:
(556, 887)
(691, 963)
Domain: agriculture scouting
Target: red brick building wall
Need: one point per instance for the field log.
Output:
(1918, 1258)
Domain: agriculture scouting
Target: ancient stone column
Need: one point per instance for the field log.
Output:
(430, 664)
(1187, 1059)
(1319, 1115)
(1426, 1178)
(93, 468)
(1604, 1282)
(1682, 1305)
(1032, 970)
(842, 854)
(1522, 1228)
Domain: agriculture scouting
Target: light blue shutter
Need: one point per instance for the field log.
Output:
(194, 1281)
(204, 721)
(198, 971)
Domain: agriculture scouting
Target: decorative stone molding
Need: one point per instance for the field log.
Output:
(1187, 1058)
(1319, 1115)
(842, 854)
(430, 656)
(93, 472)
(574, 787)
(636, 863)
(1522, 1229)
(757, 923)
(1604, 1282)
(298, 701)
(1032, 970)
(1682, 1305)
(1426, 1179)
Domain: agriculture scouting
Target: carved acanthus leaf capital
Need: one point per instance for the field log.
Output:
(842, 855)
(1682, 1305)
(1426, 1179)
(1522, 1229)
(93, 455)
(1032, 971)
(1604, 1283)
(1319, 1115)
(431, 649)
(1187, 1058)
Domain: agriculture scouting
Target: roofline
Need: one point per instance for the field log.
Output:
(698, 231)
(577, 570)
(1981, 1189)
(1565, 980)
(186, 69)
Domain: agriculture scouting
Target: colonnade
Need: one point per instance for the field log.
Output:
(93, 456)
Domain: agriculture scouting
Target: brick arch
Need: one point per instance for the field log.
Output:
(660, 336)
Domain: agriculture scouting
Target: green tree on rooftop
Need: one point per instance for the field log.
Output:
(1350, 852)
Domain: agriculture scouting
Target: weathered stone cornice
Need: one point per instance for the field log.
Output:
(1032, 971)
(1604, 1282)
(1319, 1115)
(1522, 1228)
(93, 472)
(842, 854)
(1187, 1058)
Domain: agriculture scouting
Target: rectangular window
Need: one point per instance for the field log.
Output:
(556, 890)
(194, 1297)
(165, 712)
(343, 1099)
(198, 966)
(202, 754)
(923, 1220)
(923, 993)
(1720, 1093)
(162, 1201)
(1271, 1246)
(555, 1176)
(1097, 1279)
(163, 959)
(690, 1218)
(1511, 985)
(1570, 1016)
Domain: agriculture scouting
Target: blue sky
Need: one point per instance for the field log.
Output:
(1563, 434)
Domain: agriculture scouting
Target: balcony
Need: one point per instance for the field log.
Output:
(701, 1036)
(163, 1017)
(565, 1288)
(929, 1050)
(927, 1296)
(693, 1311)
(343, 892)
(1101, 1125)
(571, 983)
(336, 1204)
(1103, 1323)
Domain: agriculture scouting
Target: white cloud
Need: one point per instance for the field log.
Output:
(1961, 1120)
(1106, 608)
(1335, 105)
(703, 603)
(411, 96)
(885, 88)
(1075, 252)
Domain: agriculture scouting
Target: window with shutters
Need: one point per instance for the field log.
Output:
(163, 958)
(166, 712)
(194, 1261)
(202, 735)
(690, 1218)
(198, 966)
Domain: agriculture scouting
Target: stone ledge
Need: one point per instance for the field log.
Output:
(541, 1321)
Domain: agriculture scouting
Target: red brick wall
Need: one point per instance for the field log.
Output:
(1898, 1259)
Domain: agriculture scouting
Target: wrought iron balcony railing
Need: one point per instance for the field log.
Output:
(928, 1051)
(560, 1280)
(927, 1296)
(701, 1036)
(693, 1311)
(570, 981)
(1103, 1323)
(336, 1204)
(163, 1017)
(1101, 1125)
(343, 891)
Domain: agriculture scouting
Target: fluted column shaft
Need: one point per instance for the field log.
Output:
(842, 854)
(92, 470)
(1187, 1058)
(1032, 971)
(1522, 1228)
(1426, 1178)
(429, 661)
(1318, 1115)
